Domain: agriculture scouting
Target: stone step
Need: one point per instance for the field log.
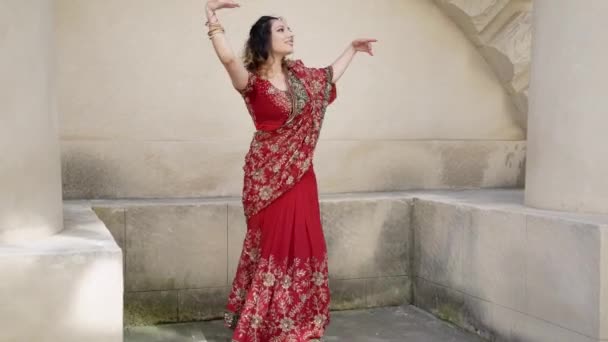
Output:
(181, 255)
(478, 258)
(489, 264)
(67, 287)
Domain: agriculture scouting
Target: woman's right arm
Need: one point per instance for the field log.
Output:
(238, 74)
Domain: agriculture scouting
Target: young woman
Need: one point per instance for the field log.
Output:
(280, 291)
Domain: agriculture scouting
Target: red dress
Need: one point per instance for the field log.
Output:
(280, 291)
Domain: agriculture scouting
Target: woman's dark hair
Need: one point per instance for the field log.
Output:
(259, 43)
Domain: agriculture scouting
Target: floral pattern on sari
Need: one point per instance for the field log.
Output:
(270, 297)
(277, 159)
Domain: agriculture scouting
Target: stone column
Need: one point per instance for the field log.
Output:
(30, 177)
(567, 158)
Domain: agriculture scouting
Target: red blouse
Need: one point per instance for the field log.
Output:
(269, 106)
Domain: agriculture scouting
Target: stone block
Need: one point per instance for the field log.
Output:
(603, 304)
(439, 230)
(534, 329)
(389, 291)
(237, 228)
(103, 169)
(173, 247)
(403, 165)
(478, 317)
(441, 301)
(202, 304)
(367, 238)
(494, 264)
(151, 169)
(501, 324)
(114, 220)
(563, 273)
(347, 294)
(67, 287)
(150, 307)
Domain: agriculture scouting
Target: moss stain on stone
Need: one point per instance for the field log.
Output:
(448, 313)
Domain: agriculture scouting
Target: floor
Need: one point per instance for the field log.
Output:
(405, 323)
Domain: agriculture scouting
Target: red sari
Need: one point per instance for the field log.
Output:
(280, 291)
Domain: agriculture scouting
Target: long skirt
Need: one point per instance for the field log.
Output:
(280, 291)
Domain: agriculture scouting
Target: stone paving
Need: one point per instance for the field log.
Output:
(405, 323)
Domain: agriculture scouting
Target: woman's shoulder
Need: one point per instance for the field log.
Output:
(301, 68)
(296, 64)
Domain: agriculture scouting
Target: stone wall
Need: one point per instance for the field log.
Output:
(181, 255)
(502, 32)
(477, 258)
(147, 110)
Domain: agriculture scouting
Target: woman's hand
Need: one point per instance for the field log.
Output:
(215, 5)
(363, 45)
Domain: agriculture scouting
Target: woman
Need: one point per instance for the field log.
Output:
(280, 291)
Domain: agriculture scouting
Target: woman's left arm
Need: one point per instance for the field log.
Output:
(358, 45)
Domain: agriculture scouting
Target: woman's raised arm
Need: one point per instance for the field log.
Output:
(342, 62)
(233, 64)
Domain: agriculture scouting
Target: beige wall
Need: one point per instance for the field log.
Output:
(148, 111)
(30, 188)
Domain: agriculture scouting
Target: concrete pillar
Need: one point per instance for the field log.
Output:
(567, 158)
(30, 176)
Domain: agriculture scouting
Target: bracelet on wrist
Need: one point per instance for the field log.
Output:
(214, 30)
(215, 34)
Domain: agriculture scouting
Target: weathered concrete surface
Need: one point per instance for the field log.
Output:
(478, 258)
(181, 255)
(396, 324)
(67, 287)
(488, 263)
(182, 169)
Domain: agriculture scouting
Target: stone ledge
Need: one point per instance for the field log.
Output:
(105, 169)
(483, 254)
(68, 286)
(496, 256)
(163, 238)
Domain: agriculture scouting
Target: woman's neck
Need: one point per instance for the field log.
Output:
(273, 68)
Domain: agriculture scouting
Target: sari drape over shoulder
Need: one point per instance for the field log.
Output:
(280, 291)
(278, 159)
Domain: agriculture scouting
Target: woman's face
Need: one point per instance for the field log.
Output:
(282, 38)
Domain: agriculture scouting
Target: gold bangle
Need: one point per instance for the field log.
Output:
(215, 29)
(215, 34)
(210, 33)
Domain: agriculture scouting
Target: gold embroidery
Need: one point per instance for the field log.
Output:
(256, 320)
(311, 90)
